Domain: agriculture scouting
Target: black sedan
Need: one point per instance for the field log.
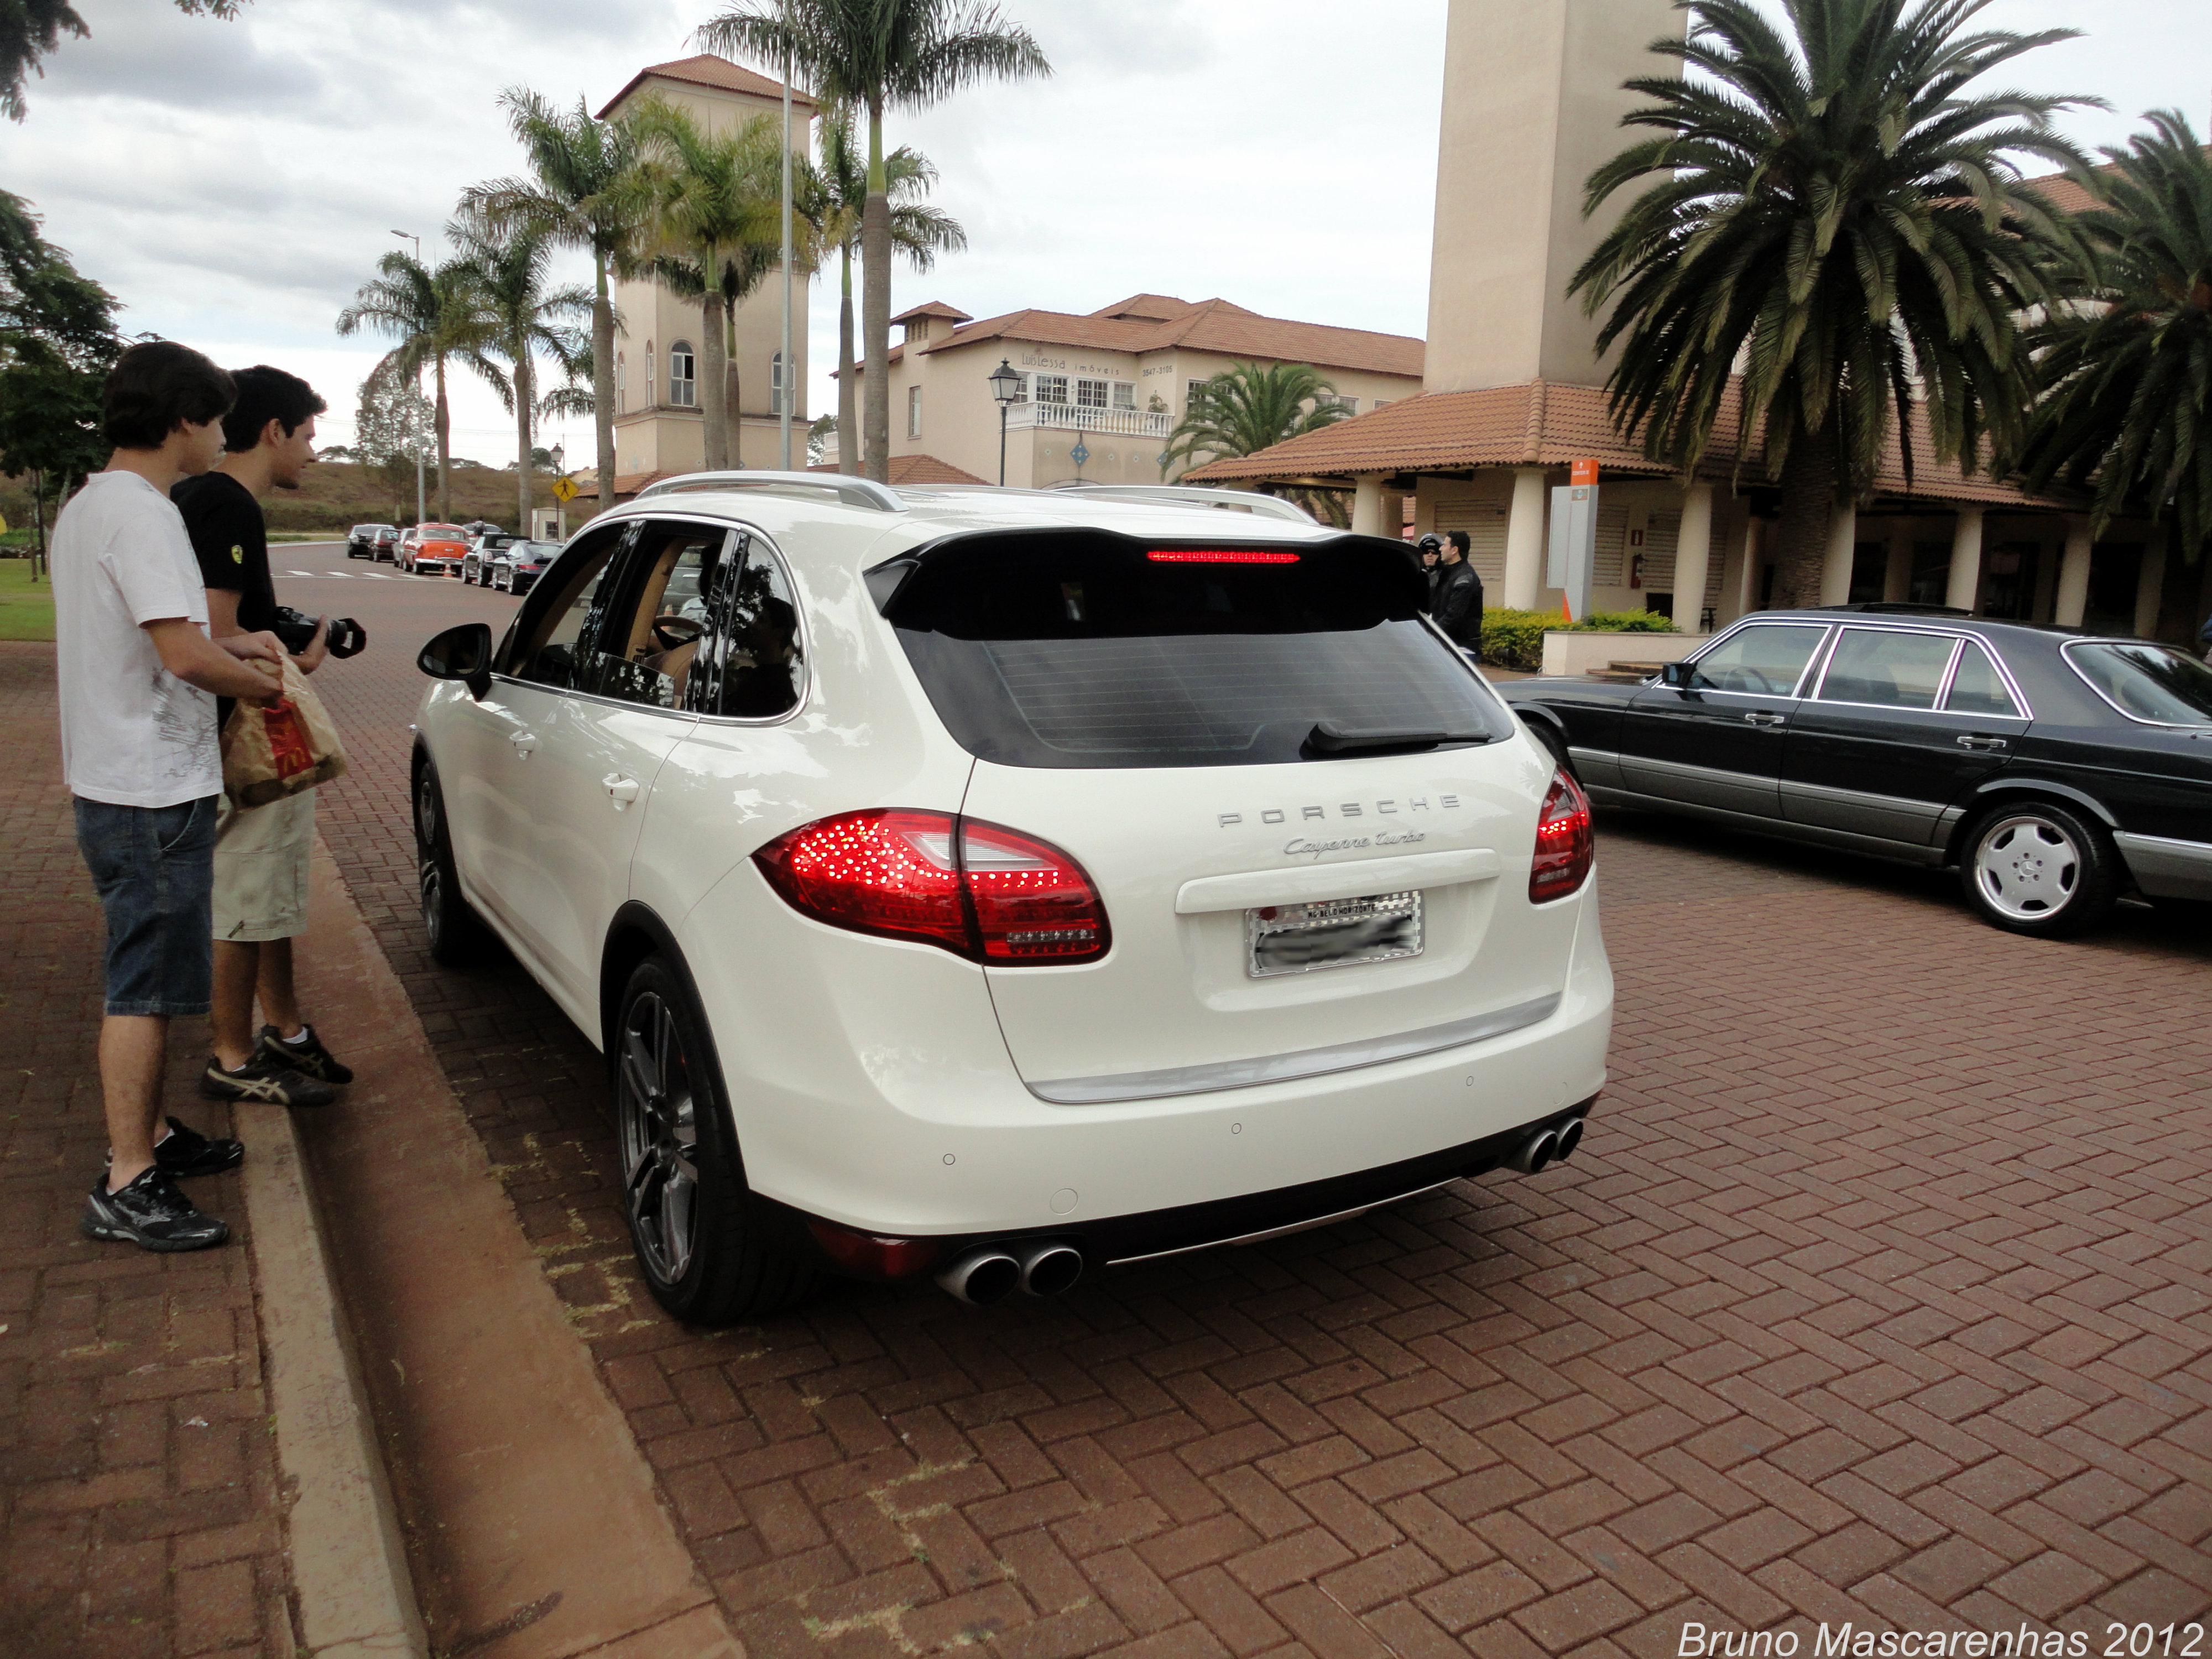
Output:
(516, 567)
(2059, 771)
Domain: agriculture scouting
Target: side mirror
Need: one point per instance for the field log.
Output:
(1680, 675)
(461, 654)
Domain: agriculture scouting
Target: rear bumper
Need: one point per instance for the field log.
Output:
(2165, 868)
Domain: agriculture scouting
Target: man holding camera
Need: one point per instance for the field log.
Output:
(261, 853)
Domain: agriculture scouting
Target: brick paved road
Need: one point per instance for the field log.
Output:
(137, 1478)
(1882, 1291)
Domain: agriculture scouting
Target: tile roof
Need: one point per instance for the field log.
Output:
(934, 308)
(705, 70)
(1548, 423)
(1211, 325)
(919, 470)
(2067, 194)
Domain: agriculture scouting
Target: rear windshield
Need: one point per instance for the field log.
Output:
(2151, 682)
(1083, 649)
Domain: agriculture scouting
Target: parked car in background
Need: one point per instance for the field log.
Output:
(475, 527)
(2056, 771)
(363, 541)
(997, 886)
(476, 563)
(403, 547)
(437, 550)
(516, 567)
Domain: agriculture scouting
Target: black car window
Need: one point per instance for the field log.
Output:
(2151, 682)
(1767, 658)
(1976, 687)
(650, 635)
(757, 668)
(1887, 667)
(550, 629)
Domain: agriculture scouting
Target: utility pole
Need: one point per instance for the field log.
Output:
(785, 375)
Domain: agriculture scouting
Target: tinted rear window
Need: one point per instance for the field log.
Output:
(1085, 649)
(2151, 682)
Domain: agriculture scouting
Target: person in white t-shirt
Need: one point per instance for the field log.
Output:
(138, 681)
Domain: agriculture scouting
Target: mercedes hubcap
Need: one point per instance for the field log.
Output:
(659, 1139)
(2027, 867)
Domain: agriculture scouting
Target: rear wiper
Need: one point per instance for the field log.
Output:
(1329, 738)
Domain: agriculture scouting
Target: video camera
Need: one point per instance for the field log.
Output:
(297, 631)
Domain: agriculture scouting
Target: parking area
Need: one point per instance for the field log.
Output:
(1880, 1291)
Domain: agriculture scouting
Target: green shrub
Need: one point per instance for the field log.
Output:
(1515, 639)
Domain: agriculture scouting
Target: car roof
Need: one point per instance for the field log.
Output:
(1908, 616)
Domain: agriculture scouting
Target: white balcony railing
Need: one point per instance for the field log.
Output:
(1075, 417)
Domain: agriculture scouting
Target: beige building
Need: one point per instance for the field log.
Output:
(1101, 391)
(1512, 391)
(658, 356)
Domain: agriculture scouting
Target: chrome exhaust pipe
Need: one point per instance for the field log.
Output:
(1535, 1153)
(1049, 1266)
(1570, 1137)
(981, 1277)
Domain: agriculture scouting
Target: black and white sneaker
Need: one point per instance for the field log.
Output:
(151, 1213)
(182, 1153)
(305, 1055)
(264, 1080)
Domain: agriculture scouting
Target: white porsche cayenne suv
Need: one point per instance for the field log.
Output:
(995, 885)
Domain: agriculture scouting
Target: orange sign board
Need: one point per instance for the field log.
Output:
(1582, 472)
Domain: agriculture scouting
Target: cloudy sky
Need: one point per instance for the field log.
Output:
(234, 182)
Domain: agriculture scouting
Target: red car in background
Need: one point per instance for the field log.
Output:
(436, 550)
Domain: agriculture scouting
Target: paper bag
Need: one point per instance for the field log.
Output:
(270, 753)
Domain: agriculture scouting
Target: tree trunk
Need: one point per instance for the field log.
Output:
(876, 305)
(525, 400)
(1808, 509)
(603, 380)
(733, 384)
(714, 395)
(441, 419)
(849, 391)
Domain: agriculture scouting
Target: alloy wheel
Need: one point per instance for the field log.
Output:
(656, 1114)
(2027, 867)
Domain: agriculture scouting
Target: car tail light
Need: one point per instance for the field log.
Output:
(989, 894)
(1218, 555)
(1564, 849)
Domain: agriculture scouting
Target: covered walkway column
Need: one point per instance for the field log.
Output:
(1524, 539)
(1965, 580)
(1843, 540)
(2073, 599)
(2150, 587)
(1897, 573)
(1367, 505)
(1694, 551)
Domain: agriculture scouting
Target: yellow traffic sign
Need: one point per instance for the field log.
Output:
(564, 490)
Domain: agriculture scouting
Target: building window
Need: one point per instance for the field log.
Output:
(1091, 394)
(913, 411)
(683, 376)
(1125, 394)
(1333, 400)
(648, 374)
(1381, 403)
(775, 384)
(1194, 396)
(1052, 388)
(621, 382)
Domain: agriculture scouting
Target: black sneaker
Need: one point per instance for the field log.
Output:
(308, 1056)
(151, 1213)
(262, 1079)
(182, 1153)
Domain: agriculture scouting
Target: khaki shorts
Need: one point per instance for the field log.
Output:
(261, 869)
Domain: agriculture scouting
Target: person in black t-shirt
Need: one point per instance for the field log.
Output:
(261, 853)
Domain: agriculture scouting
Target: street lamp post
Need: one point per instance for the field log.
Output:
(410, 236)
(560, 507)
(1006, 386)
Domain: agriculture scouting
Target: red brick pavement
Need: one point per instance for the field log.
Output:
(1881, 1291)
(138, 1490)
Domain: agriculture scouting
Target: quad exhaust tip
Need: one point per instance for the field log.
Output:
(1044, 1266)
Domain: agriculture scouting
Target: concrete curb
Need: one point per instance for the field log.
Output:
(356, 1600)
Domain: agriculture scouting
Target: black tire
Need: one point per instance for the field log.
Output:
(2036, 868)
(684, 1182)
(457, 934)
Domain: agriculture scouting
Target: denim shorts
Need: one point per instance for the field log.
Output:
(155, 870)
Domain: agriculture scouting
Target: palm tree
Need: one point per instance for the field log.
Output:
(436, 315)
(716, 201)
(743, 270)
(919, 231)
(1246, 409)
(874, 55)
(2128, 364)
(1838, 235)
(575, 197)
(532, 319)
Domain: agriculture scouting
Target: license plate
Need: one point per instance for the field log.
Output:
(1301, 939)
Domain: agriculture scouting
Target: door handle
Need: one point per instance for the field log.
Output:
(523, 742)
(623, 790)
(1981, 743)
(1756, 718)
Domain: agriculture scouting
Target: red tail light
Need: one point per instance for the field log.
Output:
(1564, 849)
(989, 894)
(1218, 555)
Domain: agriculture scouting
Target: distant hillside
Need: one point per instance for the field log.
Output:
(335, 494)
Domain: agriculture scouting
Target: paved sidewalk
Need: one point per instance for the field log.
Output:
(138, 1492)
(1880, 1290)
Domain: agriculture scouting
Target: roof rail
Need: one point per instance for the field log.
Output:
(854, 492)
(1247, 501)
